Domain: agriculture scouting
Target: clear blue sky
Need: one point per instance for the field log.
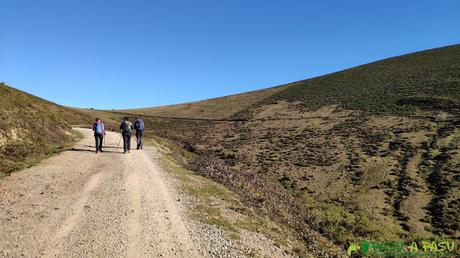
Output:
(125, 54)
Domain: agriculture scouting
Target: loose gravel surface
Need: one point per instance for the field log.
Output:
(83, 204)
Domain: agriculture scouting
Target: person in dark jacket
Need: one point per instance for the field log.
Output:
(126, 126)
(139, 126)
(99, 132)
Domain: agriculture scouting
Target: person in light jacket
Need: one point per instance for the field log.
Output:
(99, 132)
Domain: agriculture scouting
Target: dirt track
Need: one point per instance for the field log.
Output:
(81, 204)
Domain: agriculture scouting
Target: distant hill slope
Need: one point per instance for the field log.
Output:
(217, 108)
(368, 153)
(31, 127)
(381, 87)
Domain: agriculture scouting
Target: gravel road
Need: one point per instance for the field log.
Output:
(83, 204)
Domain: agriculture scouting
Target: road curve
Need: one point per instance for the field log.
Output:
(83, 204)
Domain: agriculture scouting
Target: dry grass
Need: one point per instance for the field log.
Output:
(31, 129)
(217, 108)
(214, 204)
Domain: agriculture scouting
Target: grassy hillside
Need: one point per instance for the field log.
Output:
(217, 108)
(369, 153)
(31, 128)
(380, 87)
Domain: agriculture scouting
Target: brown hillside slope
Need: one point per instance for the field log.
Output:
(217, 108)
(31, 128)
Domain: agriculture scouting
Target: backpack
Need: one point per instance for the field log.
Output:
(126, 127)
(98, 128)
(140, 125)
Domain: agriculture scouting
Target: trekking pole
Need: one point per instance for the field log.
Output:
(119, 140)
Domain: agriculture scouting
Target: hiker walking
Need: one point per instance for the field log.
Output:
(126, 128)
(99, 132)
(139, 126)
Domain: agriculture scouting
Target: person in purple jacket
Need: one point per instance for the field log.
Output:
(99, 132)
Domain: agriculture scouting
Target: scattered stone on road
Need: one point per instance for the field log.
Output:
(81, 204)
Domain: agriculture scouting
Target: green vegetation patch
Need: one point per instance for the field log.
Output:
(341, 224)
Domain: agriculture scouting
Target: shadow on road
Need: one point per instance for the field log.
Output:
(87, 150)
(104, 147)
